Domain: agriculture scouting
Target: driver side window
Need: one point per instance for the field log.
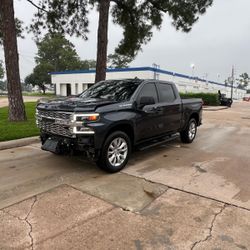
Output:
(149, 90)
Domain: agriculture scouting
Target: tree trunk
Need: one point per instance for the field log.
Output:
(16, 105)
(102, 40)
(43, 89)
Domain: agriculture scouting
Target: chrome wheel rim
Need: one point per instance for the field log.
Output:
(192, 130)
(117, 151)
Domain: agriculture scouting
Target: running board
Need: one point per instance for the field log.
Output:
(148, 145)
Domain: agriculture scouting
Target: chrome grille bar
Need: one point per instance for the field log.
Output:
(46, 121)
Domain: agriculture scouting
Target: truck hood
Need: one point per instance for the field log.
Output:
(73, 104)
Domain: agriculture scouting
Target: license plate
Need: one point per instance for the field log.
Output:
(51, 145)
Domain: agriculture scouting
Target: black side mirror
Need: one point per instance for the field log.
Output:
(146, 100)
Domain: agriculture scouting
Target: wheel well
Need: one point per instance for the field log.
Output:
(196, 117)
(126, 128)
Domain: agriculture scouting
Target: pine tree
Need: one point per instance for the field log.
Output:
(137, 18)
(9, 36)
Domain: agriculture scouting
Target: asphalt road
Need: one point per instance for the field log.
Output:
(174, 196)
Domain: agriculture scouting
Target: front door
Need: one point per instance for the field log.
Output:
(147, 121)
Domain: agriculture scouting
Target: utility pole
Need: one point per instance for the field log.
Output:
(156, 66)
(232, 82)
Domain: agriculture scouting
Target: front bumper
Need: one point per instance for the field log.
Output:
(64, 145)
(79, 143)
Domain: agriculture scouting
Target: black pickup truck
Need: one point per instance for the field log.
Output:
(113, 117)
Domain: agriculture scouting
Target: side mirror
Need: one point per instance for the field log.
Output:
(146, 100)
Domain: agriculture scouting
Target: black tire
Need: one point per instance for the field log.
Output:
(120, 157)
(229, 103)
(187, 136)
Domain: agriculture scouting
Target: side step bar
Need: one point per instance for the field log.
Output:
(158, 142)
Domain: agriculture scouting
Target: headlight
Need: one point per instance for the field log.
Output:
(79, 120)
(86, 117)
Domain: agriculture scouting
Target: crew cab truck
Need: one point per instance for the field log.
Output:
(113, 117)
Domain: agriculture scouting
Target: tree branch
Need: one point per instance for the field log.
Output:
(38, 7)
(157, 6)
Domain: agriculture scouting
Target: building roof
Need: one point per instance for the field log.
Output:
(154, 70)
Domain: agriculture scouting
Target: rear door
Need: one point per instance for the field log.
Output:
(171, 107)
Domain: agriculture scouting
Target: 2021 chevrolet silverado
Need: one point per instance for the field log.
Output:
(112, 117)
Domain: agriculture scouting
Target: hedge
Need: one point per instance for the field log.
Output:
(210, 99)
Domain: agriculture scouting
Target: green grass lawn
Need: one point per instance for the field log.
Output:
(17, 130)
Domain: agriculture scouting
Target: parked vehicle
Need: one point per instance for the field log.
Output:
(246, 99)
(111, 118)
(224, 101)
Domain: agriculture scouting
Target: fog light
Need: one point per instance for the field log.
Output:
(83, 130)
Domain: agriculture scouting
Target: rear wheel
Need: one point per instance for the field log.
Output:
(115, 152)
(189, 133)
(229, 103)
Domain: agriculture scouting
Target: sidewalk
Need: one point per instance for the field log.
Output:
(67, 218)
(4, 101)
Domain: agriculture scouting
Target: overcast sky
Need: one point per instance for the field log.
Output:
(219, 40)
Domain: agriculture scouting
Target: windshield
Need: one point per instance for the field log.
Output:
(116, 90)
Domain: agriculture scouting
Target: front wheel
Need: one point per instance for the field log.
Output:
(189, 133)
(115, 152)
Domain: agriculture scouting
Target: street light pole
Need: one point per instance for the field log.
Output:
(218, 76)
(232, 82)
(192, 67)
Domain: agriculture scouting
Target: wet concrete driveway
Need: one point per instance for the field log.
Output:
(174, 196)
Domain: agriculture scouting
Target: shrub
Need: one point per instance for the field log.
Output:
(211, 99)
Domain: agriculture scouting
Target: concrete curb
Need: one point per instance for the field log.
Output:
(19, 142)
(214, 109)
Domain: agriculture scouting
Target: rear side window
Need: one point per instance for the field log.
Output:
(166, 93)
(149, 89)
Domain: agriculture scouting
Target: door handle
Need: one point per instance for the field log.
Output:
(158, 109)
(149, 110)
(154, 110)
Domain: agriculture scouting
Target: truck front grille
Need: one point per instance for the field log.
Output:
(53, 128)
(47, 121)
(55, 114)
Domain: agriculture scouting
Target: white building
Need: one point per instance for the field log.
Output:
(75, 82)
